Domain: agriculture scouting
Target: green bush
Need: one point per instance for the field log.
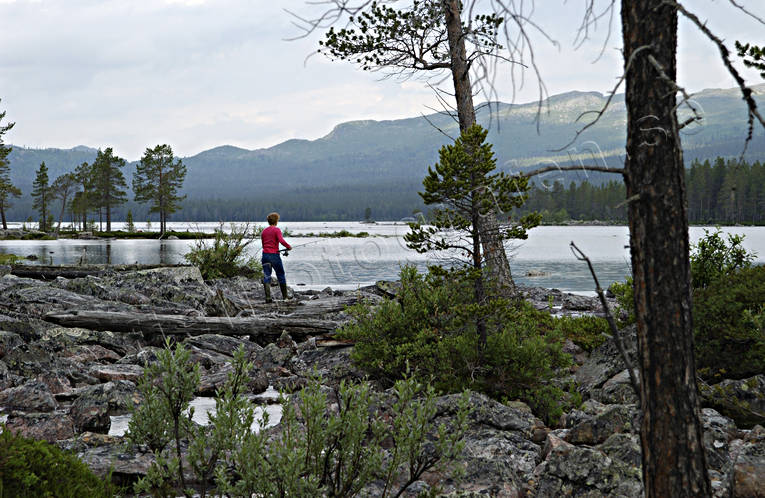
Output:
(226, 256)
(9, 259)
(318, 451)
(337, 452)
(588, 332)
(712, 258)
(728, 314)
(430, 328)
(729, 325)
(30, 468)
(625, 296)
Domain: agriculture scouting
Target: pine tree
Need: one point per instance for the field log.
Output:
(83, 201)
(430, 36)
(158, 178)
(7, 189)
(108, 183)
(463, 187)
(129, 224)
(62, 188)
(753, 56)
(42, 195)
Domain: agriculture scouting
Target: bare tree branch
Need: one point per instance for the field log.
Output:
(686, 98)
(725, 56)
(583, 167)
(590, 21)
(747, 12)
(578, 254)
(605, 107)
(452, 139)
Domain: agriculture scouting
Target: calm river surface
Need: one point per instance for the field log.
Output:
(346, 263)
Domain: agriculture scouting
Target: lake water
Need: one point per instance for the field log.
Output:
(204, 406)
(346, 263)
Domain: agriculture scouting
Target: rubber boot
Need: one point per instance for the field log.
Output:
(267, 289)
(283, 288)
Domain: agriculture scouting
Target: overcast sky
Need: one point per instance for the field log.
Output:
(196, 74)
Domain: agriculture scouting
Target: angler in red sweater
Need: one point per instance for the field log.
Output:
(271, 238)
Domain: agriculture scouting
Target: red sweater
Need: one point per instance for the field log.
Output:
(271, 238)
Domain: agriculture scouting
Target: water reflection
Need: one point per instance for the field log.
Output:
(346, 263)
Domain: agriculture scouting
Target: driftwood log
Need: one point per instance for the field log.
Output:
(152, 324)
(51, 272)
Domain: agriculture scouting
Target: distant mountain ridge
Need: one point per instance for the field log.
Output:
(359, 156)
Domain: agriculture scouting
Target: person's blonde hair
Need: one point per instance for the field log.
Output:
(273, 218)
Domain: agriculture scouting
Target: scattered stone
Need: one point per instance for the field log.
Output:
(6, 380)
(91, 410)
(605, 362)
(52, 426)
(749, 472)
(121, 343)
(143, 357)
(56, 380)
(207, 359)
(9, 341)
(225, 345)
(742, 400)
(719, 431)
(333, 365)
(105, 454)
(617, 390)
(90, 353)
(580, 471)
(33, 396)
(615, 419)
(623, 447)
(117, 371)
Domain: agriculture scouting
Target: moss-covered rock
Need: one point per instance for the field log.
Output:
(742, 400)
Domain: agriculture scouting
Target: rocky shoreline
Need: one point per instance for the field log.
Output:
(62, 383)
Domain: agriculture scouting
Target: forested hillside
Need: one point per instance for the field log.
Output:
(719, 192)
(380, 164)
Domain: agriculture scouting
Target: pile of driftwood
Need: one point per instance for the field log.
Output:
(300, 318)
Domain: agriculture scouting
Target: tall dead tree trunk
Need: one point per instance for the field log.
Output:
(493, 249)
(674, 463)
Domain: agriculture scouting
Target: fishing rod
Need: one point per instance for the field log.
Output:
(287, 251)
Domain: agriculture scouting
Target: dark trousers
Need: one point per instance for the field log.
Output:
(272, 261)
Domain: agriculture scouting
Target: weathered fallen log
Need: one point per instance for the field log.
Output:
(51, 272)
(316, 307)
(150, 323)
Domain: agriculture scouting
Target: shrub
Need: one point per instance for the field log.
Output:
(712, 258)
(337, 452)
(588, 332)
(625, 296)
(30, 468)
(729, 325)
(226, 257)
(728, 297)
(318, 451)
(129, 224)
(431, 326)
(164, 417)
(9, 259)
